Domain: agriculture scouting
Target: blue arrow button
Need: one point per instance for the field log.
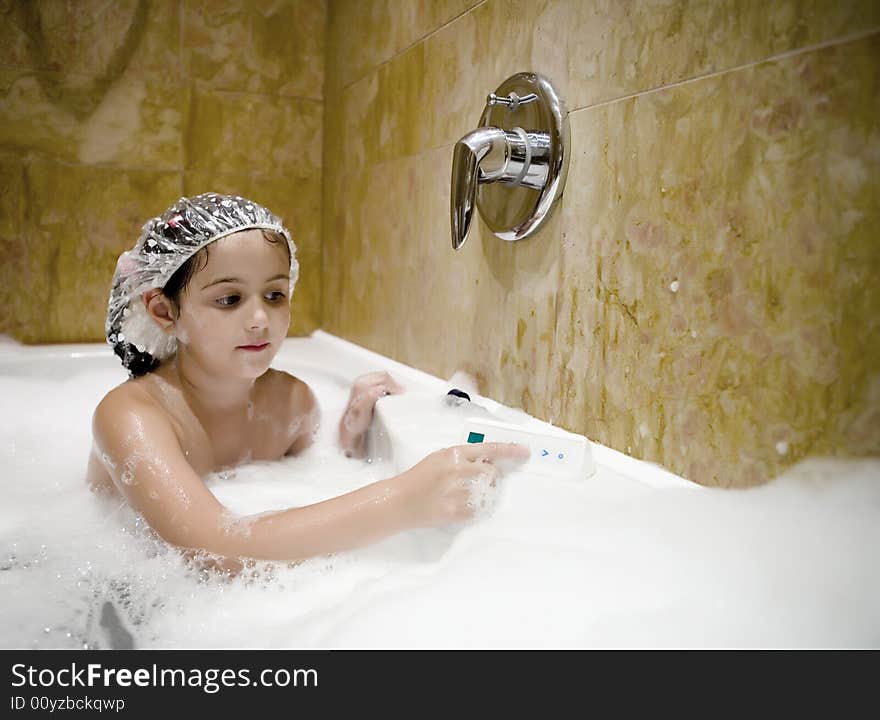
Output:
(544, 453)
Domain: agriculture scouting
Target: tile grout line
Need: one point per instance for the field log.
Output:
(843, 40)
(59, 161)
(413, 44)
(252, 93)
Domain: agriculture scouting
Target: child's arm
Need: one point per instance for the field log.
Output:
(144, 458)
(358, 414)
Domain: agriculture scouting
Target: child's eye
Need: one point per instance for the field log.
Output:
(228, 300)
(275, 297)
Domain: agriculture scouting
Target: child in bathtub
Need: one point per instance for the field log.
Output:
(198, 310)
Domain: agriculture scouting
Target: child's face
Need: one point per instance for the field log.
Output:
(235, 311)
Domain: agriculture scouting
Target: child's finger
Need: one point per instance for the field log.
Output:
(395, 387)
(388, 387)
(495, 451)
(378, 391)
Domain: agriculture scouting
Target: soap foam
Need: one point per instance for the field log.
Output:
(609, 562)
(482, 491)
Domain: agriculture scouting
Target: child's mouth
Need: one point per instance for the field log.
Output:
(254, 348)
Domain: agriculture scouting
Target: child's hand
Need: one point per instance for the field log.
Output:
(367, 389)
(445, 486)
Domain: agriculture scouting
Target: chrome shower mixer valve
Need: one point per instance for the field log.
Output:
(512, 167)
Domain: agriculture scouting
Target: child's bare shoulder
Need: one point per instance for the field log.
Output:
(125, 395)
(293, 400)
(126, 403)
(279, 384)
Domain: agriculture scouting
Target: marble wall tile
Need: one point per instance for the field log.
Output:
(433, 93)
(379, 112)
(25, 256)
(275, 48)
(374, 237)
(717, 312)
(230, 133)
(74, 222)
(366, 253)
(618, 48)
(333, 230)
(305, 312)
(93, 83)
(363, 35)
(136, 122)
(466, 60)
(93, 39)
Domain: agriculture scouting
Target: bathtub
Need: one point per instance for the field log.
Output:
(629, 555)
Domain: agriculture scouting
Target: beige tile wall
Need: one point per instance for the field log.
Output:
(110, 110)
(704, 297)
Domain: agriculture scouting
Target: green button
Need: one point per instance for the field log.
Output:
(474, 437)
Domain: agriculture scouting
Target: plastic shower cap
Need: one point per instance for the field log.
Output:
(165, 243)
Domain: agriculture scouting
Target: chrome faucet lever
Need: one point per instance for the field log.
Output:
(506, 152)
(488, 155)
(469, 153)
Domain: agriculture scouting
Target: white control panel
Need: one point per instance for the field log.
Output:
(558, 454)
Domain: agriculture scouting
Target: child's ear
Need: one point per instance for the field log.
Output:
(160, 309)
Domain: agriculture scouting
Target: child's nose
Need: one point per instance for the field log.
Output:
(258, 317)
